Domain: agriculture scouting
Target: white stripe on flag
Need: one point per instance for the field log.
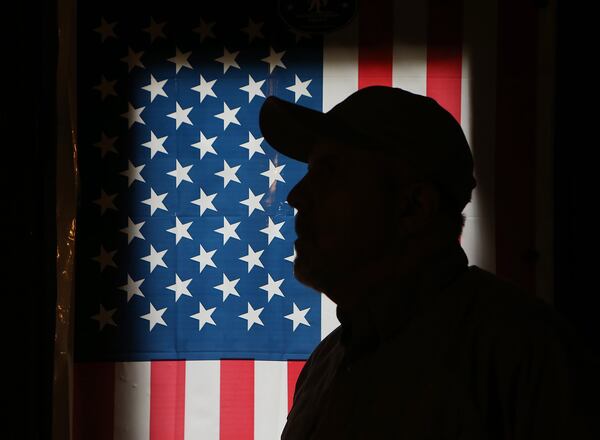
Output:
(202, 400)
(132, 401)
(340, 65)
(270, 399)
(479, 52)
(410, 47)
(329, 321)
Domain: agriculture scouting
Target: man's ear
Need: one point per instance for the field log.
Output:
(418, 206)
(419, 199)
(425, 200)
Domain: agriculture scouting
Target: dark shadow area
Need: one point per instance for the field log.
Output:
(28, 126)
(576, 183)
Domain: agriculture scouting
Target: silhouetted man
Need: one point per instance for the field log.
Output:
(429, 347)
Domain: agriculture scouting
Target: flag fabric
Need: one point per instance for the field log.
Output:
(184, 215)
(189, 322)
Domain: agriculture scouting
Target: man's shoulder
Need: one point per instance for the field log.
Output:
(502, 296)
(528, 348)
(496, 303)
(329, 343)
(326, 355)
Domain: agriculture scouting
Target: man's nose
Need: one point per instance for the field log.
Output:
(297, 197)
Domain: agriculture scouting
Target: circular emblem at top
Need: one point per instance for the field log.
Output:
(317, 16)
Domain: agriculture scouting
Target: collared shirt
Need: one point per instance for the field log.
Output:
(452, 352)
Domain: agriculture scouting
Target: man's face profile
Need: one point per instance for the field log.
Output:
(343, 218)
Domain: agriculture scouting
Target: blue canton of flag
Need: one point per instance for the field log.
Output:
(185, 242)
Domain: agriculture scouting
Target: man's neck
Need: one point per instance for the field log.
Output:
(402, 265)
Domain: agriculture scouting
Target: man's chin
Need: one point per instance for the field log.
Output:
(302, 273)
(309, 275)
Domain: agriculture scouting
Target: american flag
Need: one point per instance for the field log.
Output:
(189, 322)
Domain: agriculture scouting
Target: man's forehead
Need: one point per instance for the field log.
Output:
(336, 151)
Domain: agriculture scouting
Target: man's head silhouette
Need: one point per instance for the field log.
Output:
(389, 173)
(378, 223)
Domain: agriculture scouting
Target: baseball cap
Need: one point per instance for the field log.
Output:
(402, 124)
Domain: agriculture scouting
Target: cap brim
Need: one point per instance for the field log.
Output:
(291, 129)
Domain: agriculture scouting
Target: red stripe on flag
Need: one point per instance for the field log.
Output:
(444, 54)
(237, 400)
(294, 368)
(167, 400)
(94, 396)
(376, 40)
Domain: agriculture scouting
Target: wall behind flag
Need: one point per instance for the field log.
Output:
(28, 126)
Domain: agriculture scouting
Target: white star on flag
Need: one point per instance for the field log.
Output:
(104, 317)
(228, 230)
(300, 88)
(181, 115)
(155, 144)
(253, 202)
(132, 288)
(106, 202)
(273, 173)
(298, 317)
(273, 230)
(252, 258)
(205, 258)
(134, 115)
(106, 29)
(133, 173)
(253, 145)
(155, 201)
(272, 287)
(105, 258)
(154, 317)
(253, 30)
(106, 87)
(252, 316)
(292, 257)
(274, 59)
(205, 30)
(155, 88)
(205, 202)
(180, 287)
(133, 59)
(204, 316)
(228, 174)
(228, 116)
(155, 30)
(180, 230)
(133, 230)
(107, 145)
(155, 258)
(205, 145)
(228, 287)
(180, 173)
(253, 88)
(228, 60)
(180, 60)
(205, 88)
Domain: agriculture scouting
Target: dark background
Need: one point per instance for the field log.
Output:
(28, 157)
